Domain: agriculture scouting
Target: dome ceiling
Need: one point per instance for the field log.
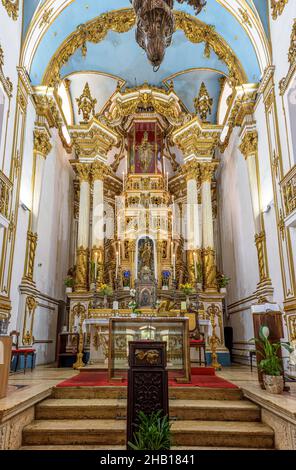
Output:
(50, 23)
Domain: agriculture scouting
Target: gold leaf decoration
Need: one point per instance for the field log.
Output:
(12, 8)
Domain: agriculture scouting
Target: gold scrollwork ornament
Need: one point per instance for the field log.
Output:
(12, 8)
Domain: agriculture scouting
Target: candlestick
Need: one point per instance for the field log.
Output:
(173, 218)
(123, 182)
(116, 270)
(96, 266)
(195, 268)
(167, 180)
(174, 266)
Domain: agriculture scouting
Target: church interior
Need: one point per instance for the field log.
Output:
(147, 196)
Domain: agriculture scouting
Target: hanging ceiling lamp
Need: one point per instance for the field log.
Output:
(155, 26)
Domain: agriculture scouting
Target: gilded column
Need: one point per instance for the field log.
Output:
(191, 171)
(208, 252)
(98, 172)
(42, 148)
(81, 283)
(249, 149)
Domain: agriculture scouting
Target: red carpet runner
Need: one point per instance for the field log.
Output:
(200, 377)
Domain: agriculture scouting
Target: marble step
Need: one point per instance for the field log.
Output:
(178, 393)
(112, 432)
(111, 408)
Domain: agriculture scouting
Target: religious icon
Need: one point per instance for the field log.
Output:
(146, 254)
(146, 153)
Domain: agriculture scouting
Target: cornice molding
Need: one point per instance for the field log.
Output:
(267, 76)
(24, 77)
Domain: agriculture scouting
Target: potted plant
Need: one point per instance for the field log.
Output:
(69, 283)
(223, 282)
(271, 363)
(154, 432)
(105, 290)
(187, 289)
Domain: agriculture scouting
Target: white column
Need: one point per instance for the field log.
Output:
(192, 206)
(209, 262)
(38, 180)
(207, 215)
(98, 213)
(84, 208)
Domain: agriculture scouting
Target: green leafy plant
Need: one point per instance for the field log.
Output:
(271, 363)
(69, 281)
(105, 289)
(187, 288)
(154, 432)
(223, 280)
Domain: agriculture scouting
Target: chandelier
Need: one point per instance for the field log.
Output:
(155, 26)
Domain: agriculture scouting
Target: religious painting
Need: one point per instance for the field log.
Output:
(145, 148)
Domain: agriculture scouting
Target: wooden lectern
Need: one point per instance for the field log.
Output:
(5, 358)
(273, 320)
(147, 382)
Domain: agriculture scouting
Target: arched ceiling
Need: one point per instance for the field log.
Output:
(239, 25)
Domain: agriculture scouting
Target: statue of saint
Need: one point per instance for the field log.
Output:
(146, 153)
(146, 254)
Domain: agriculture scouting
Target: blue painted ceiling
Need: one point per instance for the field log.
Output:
(119, 54)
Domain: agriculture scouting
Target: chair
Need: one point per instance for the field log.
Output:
(18, 352)
(196, 338)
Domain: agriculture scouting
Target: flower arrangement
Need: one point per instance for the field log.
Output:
(187, 288)
(69, 281)
(223, 280)
(133, 306)
(133, 292)
(199, 273)
(105, 289)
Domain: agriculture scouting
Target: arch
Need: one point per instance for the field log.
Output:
(253, 27)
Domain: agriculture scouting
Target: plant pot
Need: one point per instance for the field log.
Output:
(165, 287)
(187, 302)
(199, 286)
(105, 301)
(223, 290)
(69, 290)
(274, 383)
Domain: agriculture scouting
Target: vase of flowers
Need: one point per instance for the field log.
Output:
(106, 290)
(271, 363)
(187, 289)
(223, 282)
(69, 283)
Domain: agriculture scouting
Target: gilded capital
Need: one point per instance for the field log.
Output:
(249, 144)
(207, 171)
(83, 171)
(191, 170)
(42, 143)
(99, 170)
